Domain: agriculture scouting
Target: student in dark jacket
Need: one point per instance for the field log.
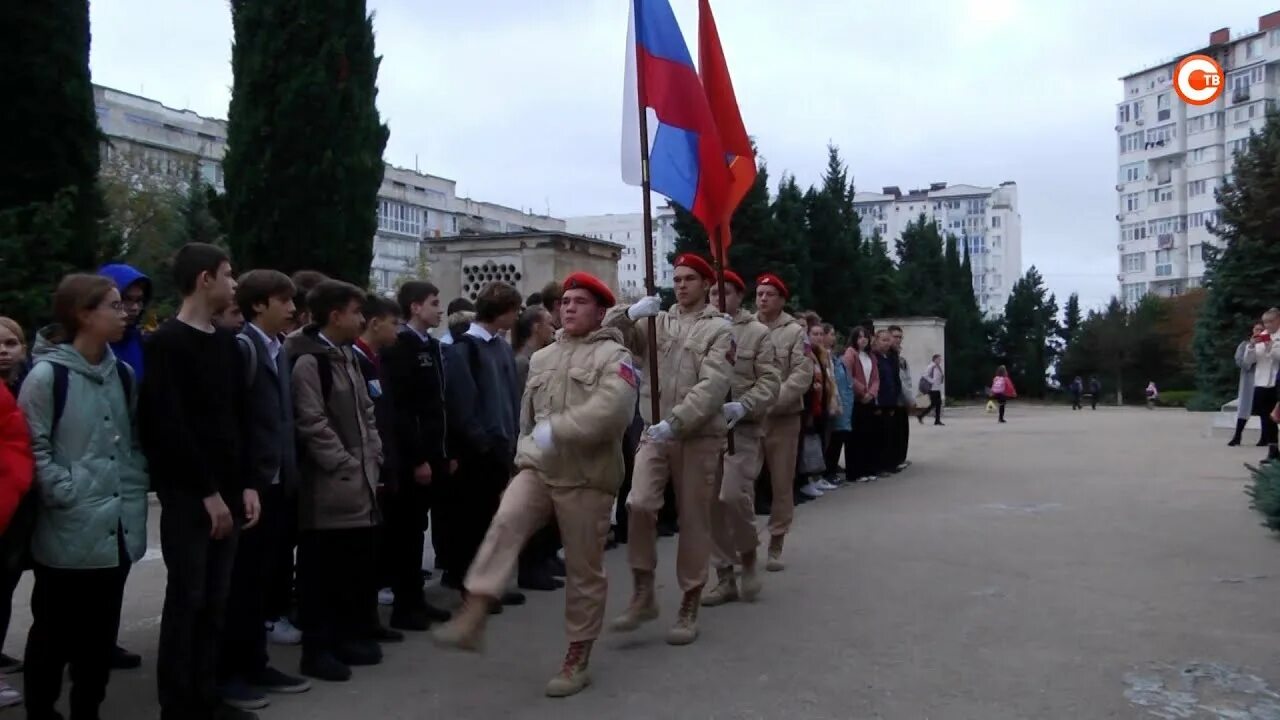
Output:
(887, 402)
(189, 418)
(414, 365)
(483, 409)
(381, 318)
(265, 298)
(340, 461)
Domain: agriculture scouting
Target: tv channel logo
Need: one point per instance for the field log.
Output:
(1198, 80)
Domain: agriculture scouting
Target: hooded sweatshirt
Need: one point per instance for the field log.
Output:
(129, 349)
(91, 478)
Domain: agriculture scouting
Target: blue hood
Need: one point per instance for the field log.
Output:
(126, 275)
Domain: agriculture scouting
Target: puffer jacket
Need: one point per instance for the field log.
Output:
(16, 462)
(90, 472)
(755, 371)
(340, 452)
(795, 363)
(585, 387)
(695, 367)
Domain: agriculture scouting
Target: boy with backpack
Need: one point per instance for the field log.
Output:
(340, 457)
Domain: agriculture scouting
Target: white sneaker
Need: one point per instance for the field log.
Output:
(811, 490)
(826, 485)
(282, 632)
(386, 597)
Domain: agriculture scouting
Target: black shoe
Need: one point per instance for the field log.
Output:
(358, 653)
(537, 579)
(325, 666)
(10, 665)
(556, 566)
(513, 598)
(1234, 442)
(1260, 443)
(382, 634)
(764, 509)
(939, 422)
(410, 620)
(666, 530)
(427, 574)
(273, 681)
(122, 659)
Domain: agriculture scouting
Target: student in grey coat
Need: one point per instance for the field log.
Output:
(1244, 398)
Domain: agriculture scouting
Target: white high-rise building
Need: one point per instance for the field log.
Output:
(1172, 156)
(983, 218)
(627, 229)
(413, 207)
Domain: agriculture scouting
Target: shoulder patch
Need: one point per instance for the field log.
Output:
(627, 372)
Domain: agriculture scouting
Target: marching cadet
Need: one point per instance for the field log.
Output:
(578, 402)
(755, 388)
(782, 426)
(695, 362)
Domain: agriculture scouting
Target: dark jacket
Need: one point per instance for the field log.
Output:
(415, 369)
(483, 397)
(129, 349)
(268, 442)
(382, 393)
(340, 451)
(890, 389)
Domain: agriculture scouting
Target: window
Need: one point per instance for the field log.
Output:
(398, 217)
(1133, 231)
(1137, 109)
(1202, 219)
(1132, 202)
(1202, 123)
(1237, 146)
(1203, 155)
(1245, 113)
(1162, 107)
(1197, 187)
(1161, 135)
(995, 221)
(1132, 172)
(1131, 142)
(1161, 195)
(1133, 292)
(1133, 262)
(995, 281)
(1253, 48)
(1123, 113)
(976, 207)
(1166, 226)
(1242, 79)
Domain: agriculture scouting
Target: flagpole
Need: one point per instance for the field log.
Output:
(650, 284)
(718, 244)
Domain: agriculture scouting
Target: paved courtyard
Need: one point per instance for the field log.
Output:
(1065, 565)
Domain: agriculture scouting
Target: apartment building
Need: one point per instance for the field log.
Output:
(627, 229)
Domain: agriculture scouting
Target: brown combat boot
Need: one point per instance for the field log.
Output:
(685, 630)
(750, 580)
(572, 678)
(466, 630)
(775, 563)
(643, 607)
(725, 591)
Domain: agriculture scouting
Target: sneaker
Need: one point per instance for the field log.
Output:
(325, 667)
(811, 490)
(9, 665)
(386, 597)
(239, 695)
(282, 632)
(122, 659)
(273, 681)
(825, 485)
(9, 696)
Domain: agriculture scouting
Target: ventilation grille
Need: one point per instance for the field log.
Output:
(476, 275)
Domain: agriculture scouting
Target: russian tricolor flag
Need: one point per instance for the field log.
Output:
(686, 159)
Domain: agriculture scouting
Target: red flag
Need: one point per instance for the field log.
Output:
(718, 86)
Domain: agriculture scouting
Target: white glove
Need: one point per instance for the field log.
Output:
(661, 432)
(542, 435)
(733, 412)
(645, 308)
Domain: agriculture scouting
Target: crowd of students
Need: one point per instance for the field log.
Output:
(301, 434)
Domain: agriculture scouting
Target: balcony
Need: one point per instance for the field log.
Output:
(1240, 95)
(1164, 241)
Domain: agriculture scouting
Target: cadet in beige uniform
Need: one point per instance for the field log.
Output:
(695, 363)
(578, 402)
(782, 427)
(755, 388)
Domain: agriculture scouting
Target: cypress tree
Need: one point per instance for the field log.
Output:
(789, 257)
(49, 153)
(305, 141)
(1240, 277)
(921, 268)
(835, 246)
(881, 288)
(967, 354)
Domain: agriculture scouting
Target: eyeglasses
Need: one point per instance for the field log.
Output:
(130, 302)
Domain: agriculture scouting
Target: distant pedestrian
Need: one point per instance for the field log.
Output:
(1077, 390)
(1152, 394)
(1244, 395)
(1002, 389)
(931, 384)
(1095, 391)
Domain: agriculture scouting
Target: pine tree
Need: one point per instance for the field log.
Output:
(835, 246)
(789, 257)
(304, 159)
(1070, 321)
(968, 348)
(752, 230)
(1029, 324)
(921, 268)
(49, 152)
(883, 296)
(1241, 278)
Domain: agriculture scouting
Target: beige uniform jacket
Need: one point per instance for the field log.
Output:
(695, 367)
(756, 379)
(586, 389)
(795, 365)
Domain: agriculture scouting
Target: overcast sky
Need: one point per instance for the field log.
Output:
(519, 101)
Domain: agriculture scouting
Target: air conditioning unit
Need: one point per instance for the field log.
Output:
(1117, 128)
(1139, 121)
(1119, 187)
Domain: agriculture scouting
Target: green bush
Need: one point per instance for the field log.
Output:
(1176, 398)
(1203, 402)
(1265, 493)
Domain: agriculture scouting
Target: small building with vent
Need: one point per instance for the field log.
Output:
(461, 266)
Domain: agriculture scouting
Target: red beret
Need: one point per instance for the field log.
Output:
(697, 264)
(592, 284)
(774, 281)
(734, 278)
